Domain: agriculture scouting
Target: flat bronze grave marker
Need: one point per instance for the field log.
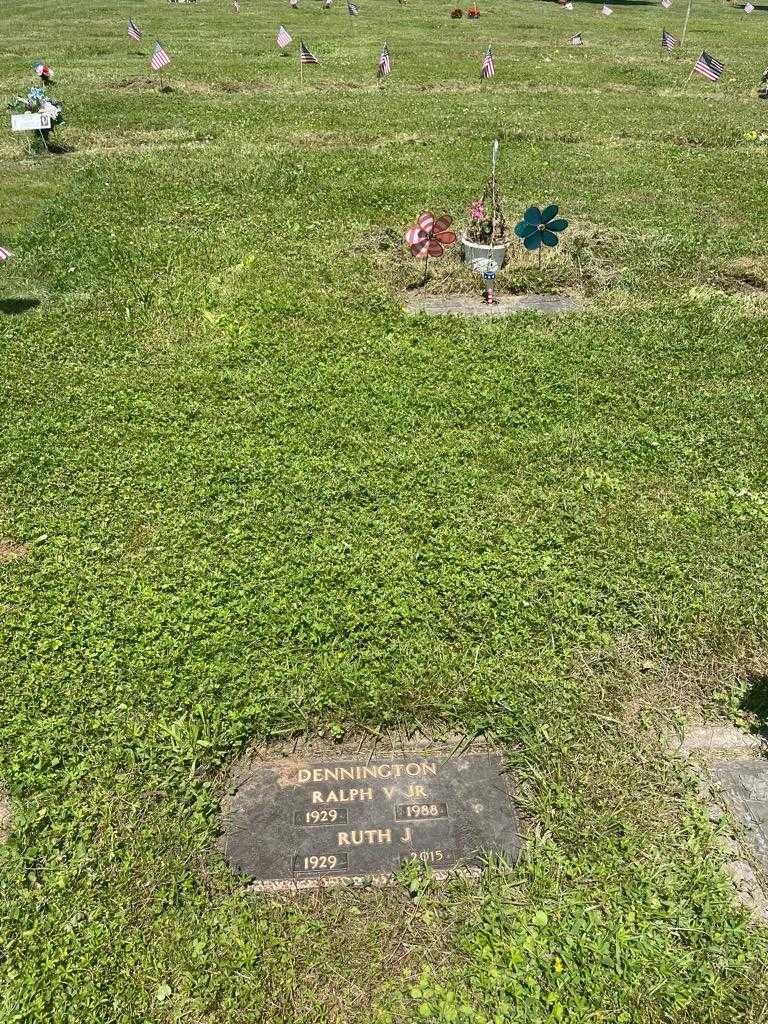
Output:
(292, 822)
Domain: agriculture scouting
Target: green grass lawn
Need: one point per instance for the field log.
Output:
(259, 499)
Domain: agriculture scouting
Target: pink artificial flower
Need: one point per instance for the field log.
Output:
(477, 210)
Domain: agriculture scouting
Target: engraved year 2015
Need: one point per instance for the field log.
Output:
(423, 857)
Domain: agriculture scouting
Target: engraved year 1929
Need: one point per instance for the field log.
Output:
(326, 816)
(319, 862)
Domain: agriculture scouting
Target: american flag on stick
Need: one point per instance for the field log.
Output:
(306, 56)
(707, 66)
(668, 41)
(385, 64)
(160, 58)
(5, 254)
(488, 70)
(134, 32)
(283, 37)
(576, 40)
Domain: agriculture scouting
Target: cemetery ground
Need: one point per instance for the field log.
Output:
(246, 497)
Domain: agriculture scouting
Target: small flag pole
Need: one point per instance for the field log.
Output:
(685, 26)
(494, 155)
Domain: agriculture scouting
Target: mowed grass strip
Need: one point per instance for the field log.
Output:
(255, 498)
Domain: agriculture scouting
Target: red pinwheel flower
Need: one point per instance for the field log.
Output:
(428, 235)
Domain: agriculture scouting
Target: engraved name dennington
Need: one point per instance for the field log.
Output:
(357, 773)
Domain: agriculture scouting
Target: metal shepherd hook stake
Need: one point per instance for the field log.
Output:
(494, 157)
(685, 26)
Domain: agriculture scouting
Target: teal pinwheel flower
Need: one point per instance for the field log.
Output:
(540, 227)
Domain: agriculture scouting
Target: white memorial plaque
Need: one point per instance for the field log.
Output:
(30, 122)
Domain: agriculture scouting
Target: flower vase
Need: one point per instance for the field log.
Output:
(479, 257)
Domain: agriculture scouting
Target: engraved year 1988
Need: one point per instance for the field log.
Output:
(411, 812)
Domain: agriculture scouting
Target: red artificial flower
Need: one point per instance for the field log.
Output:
(428, 235)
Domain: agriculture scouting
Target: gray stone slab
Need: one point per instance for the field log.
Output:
(744, 784)
(294, 822)
(473, 305)
(734, 777)
(720, 742)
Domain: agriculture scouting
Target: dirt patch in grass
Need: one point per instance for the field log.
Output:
(11, 550)
(134, 84)
(696, 142)
(745, 277)
(401, 137)
(651, 691)
(321, 140)
(580, 266)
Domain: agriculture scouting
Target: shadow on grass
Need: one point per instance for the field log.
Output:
(15, 307)
(755, 703)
